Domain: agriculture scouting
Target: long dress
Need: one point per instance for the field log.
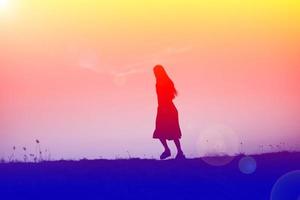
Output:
(167, 122)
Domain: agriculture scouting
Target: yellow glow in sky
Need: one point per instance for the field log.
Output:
(3, 4)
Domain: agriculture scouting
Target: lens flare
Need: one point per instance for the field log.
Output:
(218, 143)
(247, 165)
(287, 186)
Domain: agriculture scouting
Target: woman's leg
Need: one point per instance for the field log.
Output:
(178, 146)
(167, 152)
(164, 143)
(180, 154)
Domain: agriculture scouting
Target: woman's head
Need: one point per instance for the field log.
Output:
(160, 72)
(162, 79)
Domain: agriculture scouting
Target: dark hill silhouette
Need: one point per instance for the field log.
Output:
(144, 179)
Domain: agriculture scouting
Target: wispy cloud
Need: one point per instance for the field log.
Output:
(149, 60)
(89, 60)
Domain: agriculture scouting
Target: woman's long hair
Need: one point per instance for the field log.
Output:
(164, 81)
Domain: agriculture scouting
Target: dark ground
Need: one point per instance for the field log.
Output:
(151, 179)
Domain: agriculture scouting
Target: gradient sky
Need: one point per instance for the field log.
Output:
(77, 75)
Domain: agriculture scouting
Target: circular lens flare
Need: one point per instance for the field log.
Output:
(218, 144)
(287, 186)
(247, 165)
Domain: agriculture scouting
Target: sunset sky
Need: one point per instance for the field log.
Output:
(77, 75)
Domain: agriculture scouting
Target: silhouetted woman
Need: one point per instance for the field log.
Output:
(167, 123)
